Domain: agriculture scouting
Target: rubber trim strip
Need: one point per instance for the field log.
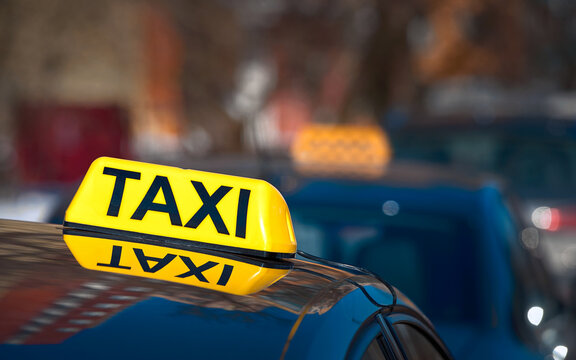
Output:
(166, 241)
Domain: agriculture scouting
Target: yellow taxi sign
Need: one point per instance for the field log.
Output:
(224, 272)
(186, 209)
(354, 149)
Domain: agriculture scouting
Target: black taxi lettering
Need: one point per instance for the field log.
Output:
(160, 182)
(144, 261)
(225, 276)
(207, 209)
(193, 269)
(115, 259)
(119, 184)
(197, 271)
(242, 214)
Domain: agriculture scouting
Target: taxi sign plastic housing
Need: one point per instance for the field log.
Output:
(343, 149)
(184, 209)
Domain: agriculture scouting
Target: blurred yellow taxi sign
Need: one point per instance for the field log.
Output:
(224, 272)
(341, 149)
(184, 209)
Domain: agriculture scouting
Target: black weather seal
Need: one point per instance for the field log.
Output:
(166, 241)
(359, 270)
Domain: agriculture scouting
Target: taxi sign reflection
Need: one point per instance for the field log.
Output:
(225, 272)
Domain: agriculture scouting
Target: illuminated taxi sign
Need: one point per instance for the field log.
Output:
(224, 272)
(186, 209)
(342, 149)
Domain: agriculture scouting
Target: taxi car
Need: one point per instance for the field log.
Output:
(451, 241)
(160, 262)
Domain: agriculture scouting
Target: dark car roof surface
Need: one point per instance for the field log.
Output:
(510, 124)
(46, 298)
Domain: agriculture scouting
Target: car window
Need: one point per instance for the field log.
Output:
(375, 350)
(410, 249)
(415, 344)
(370, 343)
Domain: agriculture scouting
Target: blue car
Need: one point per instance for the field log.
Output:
(451, 243)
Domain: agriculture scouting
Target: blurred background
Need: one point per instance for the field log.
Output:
(177, 79)
(478, 85)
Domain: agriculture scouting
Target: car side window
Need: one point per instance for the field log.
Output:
(375, 351)
(415, 344)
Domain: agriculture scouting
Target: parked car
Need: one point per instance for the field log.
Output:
(537, 157)
(451, 242)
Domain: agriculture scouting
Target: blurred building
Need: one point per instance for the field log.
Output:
(192, 78)
(68, 70)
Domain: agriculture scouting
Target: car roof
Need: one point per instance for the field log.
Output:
(58, 301)
(517, 125)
